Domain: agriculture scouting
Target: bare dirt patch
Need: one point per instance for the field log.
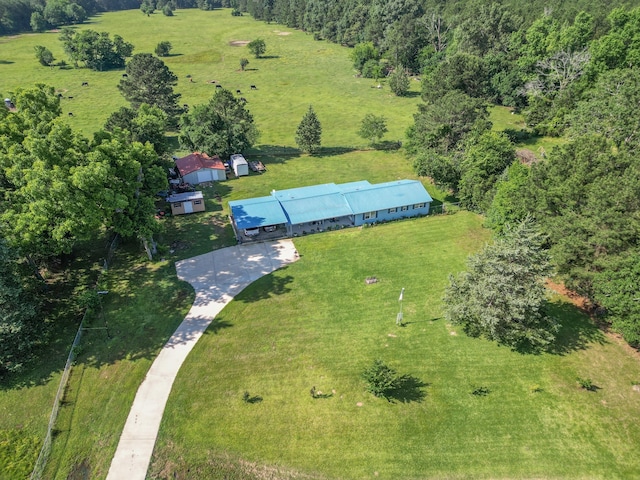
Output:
(284, 33)
(239, 43)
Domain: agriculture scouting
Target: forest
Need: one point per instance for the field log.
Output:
(572, 71)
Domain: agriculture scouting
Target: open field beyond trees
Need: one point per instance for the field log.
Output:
(314, 323)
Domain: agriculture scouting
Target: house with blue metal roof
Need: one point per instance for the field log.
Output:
(303, 210)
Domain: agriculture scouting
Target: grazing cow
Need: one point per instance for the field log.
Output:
(124, 75)
(69, 98)
(238, 92)
(243, 100)
(218, 86)
(71, 114)
(253, 87)
(185, 105)
(60, 95)
(85, 84)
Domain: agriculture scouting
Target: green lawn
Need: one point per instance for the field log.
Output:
(316, 323)
(295, 72)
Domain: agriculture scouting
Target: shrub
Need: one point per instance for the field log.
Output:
(586, 384)
(481, 391)
(381, 379)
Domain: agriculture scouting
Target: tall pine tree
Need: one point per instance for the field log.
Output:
(502, 295)
(309, 132)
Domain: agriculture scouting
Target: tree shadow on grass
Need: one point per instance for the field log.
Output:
(577, 330)
(332, 151)
(273, 153)
(265, 287)
(409, 389)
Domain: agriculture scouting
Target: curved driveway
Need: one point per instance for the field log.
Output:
(216, 277)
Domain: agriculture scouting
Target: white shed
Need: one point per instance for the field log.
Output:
(239, 165)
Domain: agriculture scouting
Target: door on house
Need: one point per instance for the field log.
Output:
(188, 207)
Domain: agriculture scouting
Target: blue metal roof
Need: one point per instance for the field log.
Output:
(382, 196)
(257, 212)
(313, 203)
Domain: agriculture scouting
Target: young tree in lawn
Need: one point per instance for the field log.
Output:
(363, 53)
(501, 296)
(309, 132)
(399, 82)
(221, 127)
(243, 63)
(373, 128)
(44, 55)
(163, 49)
(150, 81)
(257, 47)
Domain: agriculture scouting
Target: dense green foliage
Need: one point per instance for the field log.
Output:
(221, 127)
(20, 324)
(502, 295)
(95, 49)
(257, 47)
(309, 132)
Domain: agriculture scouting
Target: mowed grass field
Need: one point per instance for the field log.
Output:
(316, 323)
(295, 72)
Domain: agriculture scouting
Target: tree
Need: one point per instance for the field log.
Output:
(221, 127)
(257, 47)
(382, 380)
(38, 22)
(616, 289)
(483, 163)
(363, 53)
(147, 7)
(168, 9)
(243, 63)
(373, 128)
(44, 55)
(511, 202)
(147, 124)
(309, 132)
(163, 49)
(19, 321)
(501, 295)
(444, 122)
(399, 82)
(150, 81)
(95, 49)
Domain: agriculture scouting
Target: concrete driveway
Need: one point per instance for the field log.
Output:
(216, 277)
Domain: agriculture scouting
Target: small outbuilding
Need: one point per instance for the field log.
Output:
(239, 165)
(188, 202)
(200, 167)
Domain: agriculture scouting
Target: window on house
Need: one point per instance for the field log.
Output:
(405, 208)
(177, 205)
(418, 205)
(197, 202)
(393, 210)
(370, 215)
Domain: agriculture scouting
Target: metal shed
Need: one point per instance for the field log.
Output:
(188, 202)
(239, 165)
(199, 168)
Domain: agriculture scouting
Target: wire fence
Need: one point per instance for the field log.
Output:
(445, 208)
(43, 456)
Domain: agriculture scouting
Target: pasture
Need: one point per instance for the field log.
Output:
(314, 323)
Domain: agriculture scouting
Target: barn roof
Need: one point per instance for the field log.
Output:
(257, 212)
(198, 161)
(382, 196)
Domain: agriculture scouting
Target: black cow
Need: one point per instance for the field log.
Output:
(253, 87)
(238, 92)
(71, 114)
(124, 75)
(218, 86)
(85, 84)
